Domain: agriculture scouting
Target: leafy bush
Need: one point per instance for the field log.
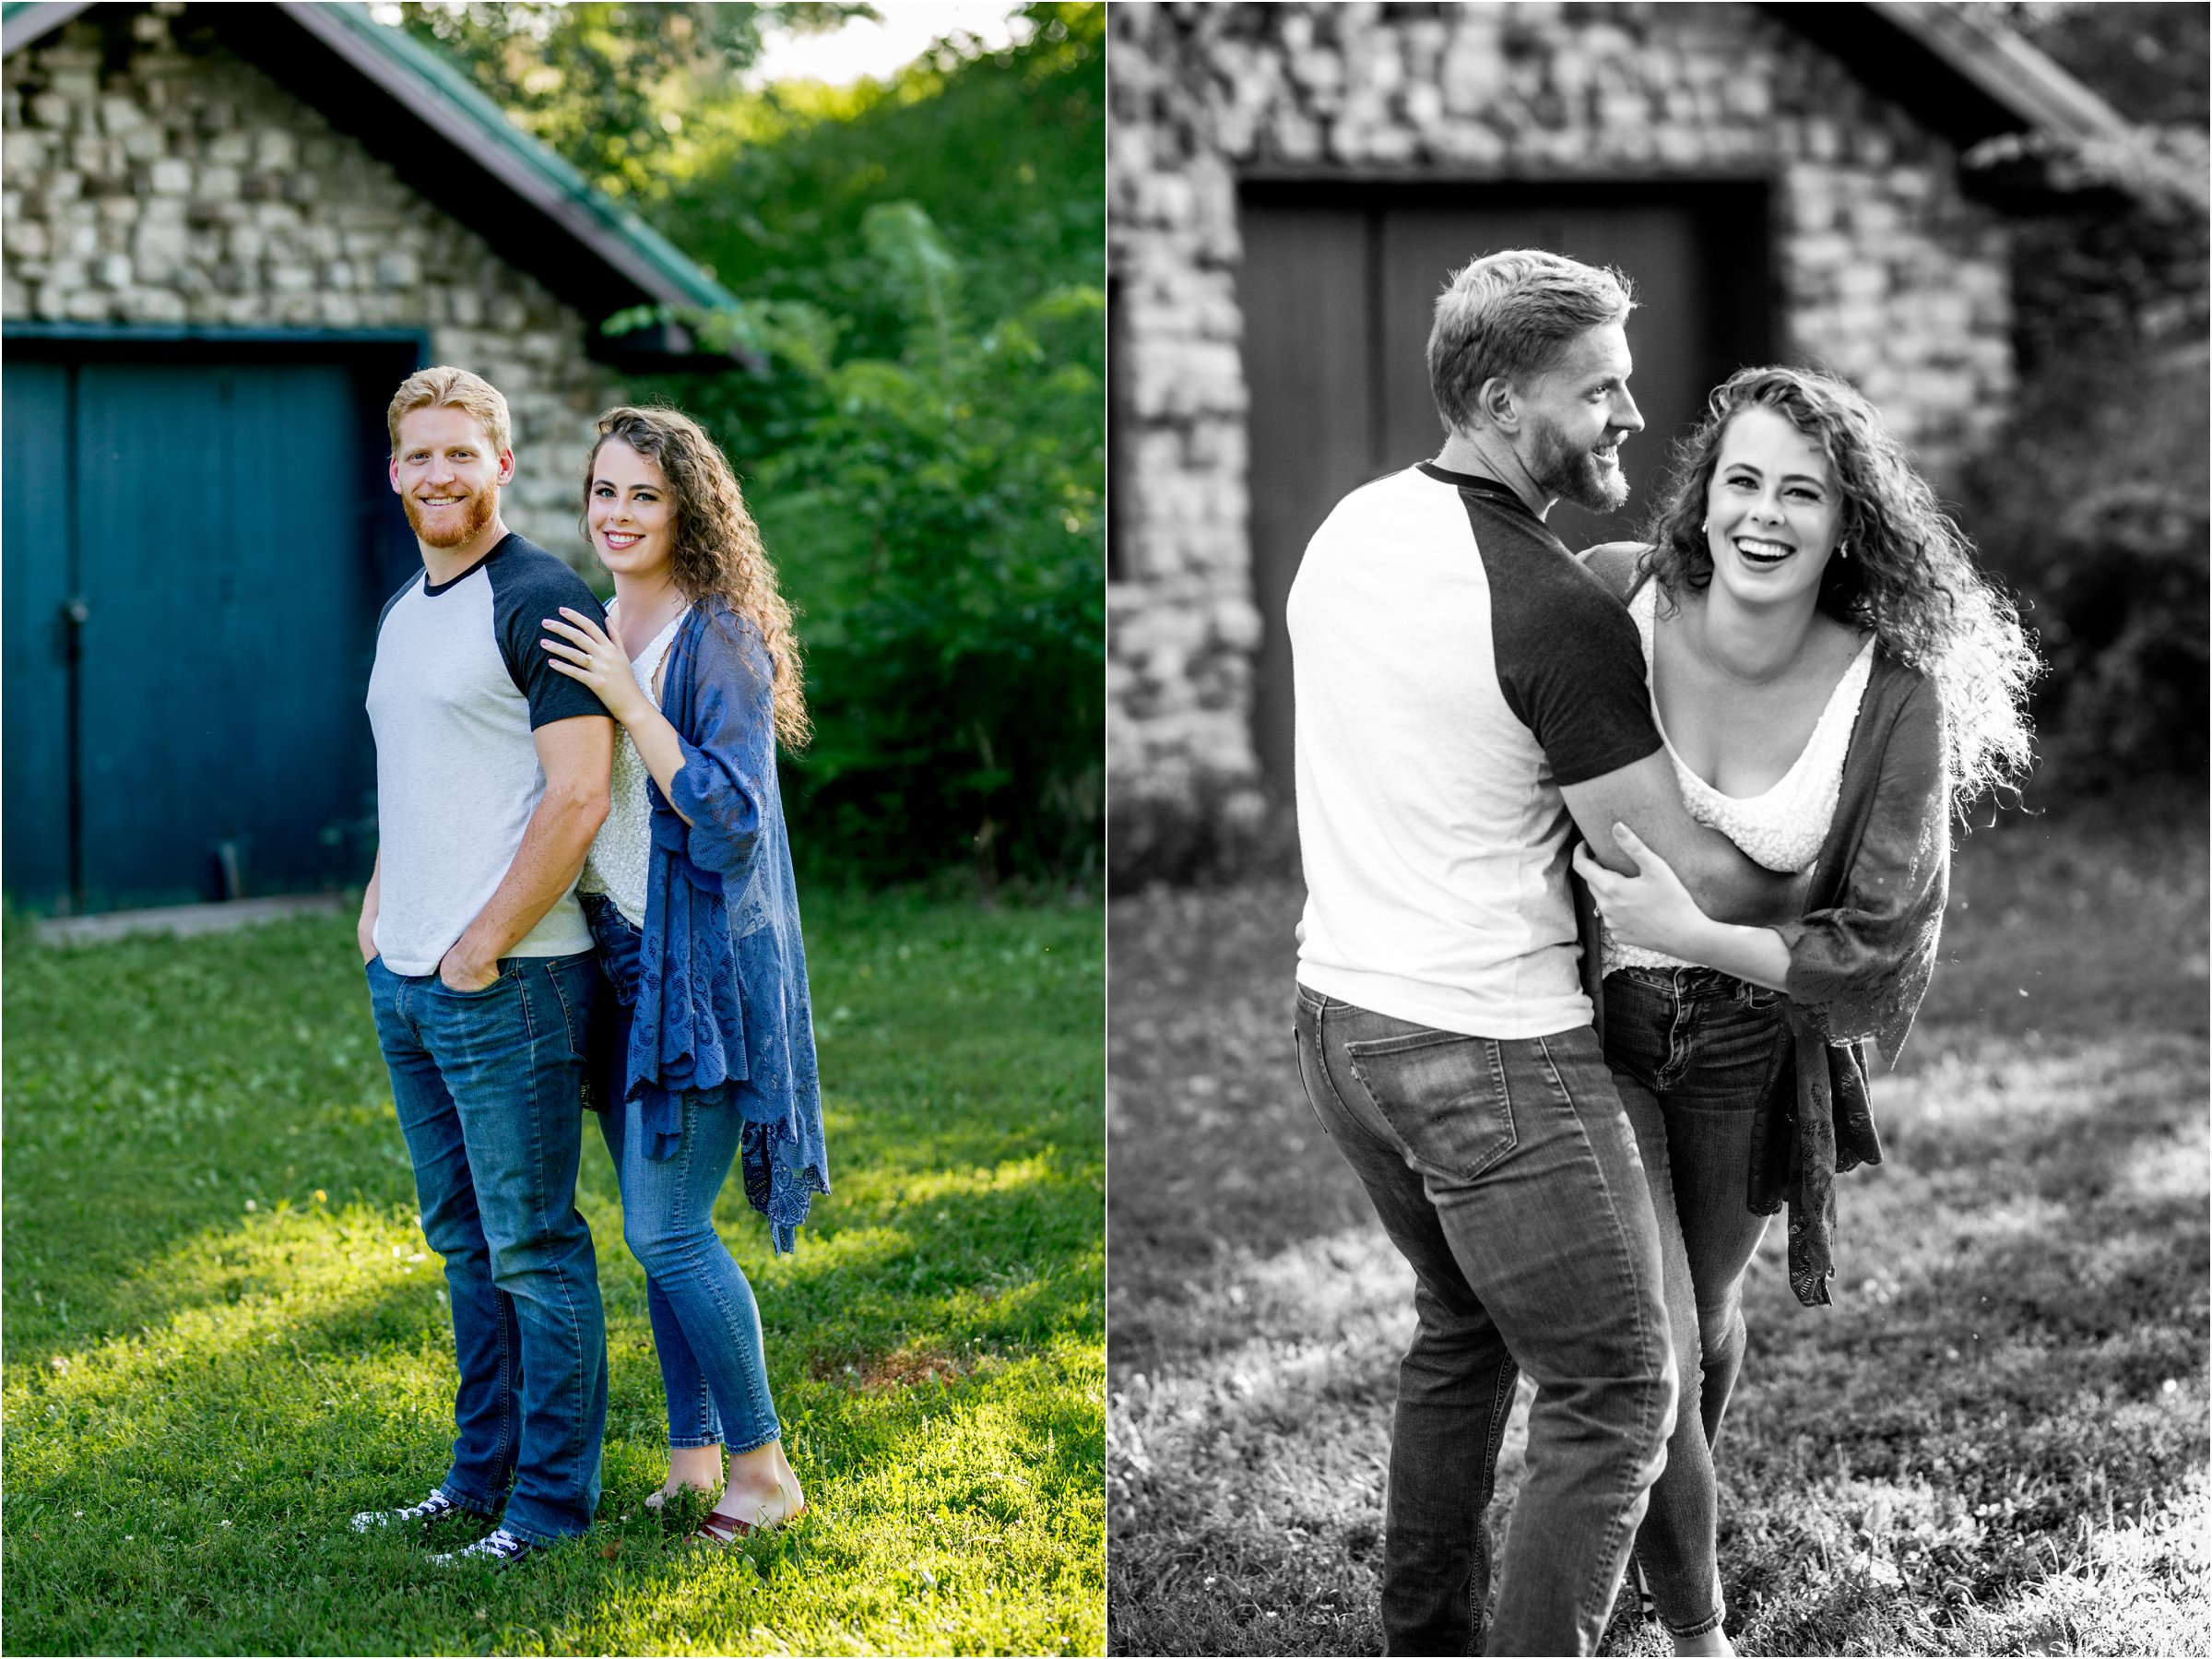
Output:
(2119, 595)
(2094, 506)
(936, 520)
(924, 441)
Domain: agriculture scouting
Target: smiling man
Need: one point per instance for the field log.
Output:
(1466, 695)
(491, 777)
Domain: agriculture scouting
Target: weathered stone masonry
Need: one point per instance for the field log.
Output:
(185, 187)
(1888, 273)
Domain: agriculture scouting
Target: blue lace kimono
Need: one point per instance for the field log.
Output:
(722, 1007)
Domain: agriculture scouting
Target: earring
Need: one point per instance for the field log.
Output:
(1844, 549)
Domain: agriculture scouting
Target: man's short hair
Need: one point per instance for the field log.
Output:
(444, 387)
(1513, 314)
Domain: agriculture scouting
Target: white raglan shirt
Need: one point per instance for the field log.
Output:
(1452, 666)
(460, 685)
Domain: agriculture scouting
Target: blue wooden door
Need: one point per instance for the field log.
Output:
(224, 579)
(36, 582)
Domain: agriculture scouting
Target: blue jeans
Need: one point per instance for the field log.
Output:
(1505, 1174)
(487, 1085)
(707, 1327)
(1693, 1053)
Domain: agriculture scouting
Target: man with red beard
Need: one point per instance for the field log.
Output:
(491, 774)
(1467, 695)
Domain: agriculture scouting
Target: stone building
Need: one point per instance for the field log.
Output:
(1290, 186)
(229, 231)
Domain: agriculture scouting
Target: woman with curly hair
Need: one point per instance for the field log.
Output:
(690, 892)
(1832, 676)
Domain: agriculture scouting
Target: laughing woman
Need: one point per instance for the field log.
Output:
(1831, 675)
(691, 897)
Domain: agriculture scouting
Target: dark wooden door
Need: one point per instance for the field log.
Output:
(220, 565)
(1339, 288)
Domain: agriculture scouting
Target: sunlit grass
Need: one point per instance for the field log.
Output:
(224, 1332)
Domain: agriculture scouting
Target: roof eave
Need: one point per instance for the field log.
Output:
(26, 23)
(465, 118)
(2005, 66)
(1980, 87)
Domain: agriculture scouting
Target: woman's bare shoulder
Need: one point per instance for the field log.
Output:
(1837, 642)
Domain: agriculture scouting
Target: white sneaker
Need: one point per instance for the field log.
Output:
(436, 1506)
(500, 1548)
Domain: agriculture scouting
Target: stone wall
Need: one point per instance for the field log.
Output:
(158, 180)
(1886, 273)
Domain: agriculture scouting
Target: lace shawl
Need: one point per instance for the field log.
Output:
(722, 1005)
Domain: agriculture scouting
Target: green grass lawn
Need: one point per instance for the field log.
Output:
(224, 1335)
(1996, 1442)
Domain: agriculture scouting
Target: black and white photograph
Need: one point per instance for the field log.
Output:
(1656, 594)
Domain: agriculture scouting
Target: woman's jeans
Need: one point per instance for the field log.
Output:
(706, 1327)
(1505, 1174)
(1693, 1053)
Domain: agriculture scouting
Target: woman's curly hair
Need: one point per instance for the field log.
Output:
(717, 553)
(1911, 575)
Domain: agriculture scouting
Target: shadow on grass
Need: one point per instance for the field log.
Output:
(283, 1419)
(1898, 1476)
(1007, 1255)
(1995, 1439)
(234, 1385)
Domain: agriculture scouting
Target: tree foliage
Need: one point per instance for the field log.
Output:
(941, 517)
(1004, 150)
(607, 83)
(921, 267)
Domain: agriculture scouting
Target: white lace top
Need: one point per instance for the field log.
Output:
(616, 864)
(1781, 828)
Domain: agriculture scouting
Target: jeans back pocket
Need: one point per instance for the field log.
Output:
(1443, 1094)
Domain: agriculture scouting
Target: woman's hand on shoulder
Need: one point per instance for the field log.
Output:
(584, 651)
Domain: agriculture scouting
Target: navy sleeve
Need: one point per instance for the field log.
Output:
(1569, 664)
(528, 586)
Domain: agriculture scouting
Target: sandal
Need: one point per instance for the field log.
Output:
(722, 1529)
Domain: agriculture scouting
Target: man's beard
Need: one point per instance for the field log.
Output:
(476, 513)
(1573, 473)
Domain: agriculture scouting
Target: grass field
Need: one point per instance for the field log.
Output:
(1996, 1442)
(223, 1333)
